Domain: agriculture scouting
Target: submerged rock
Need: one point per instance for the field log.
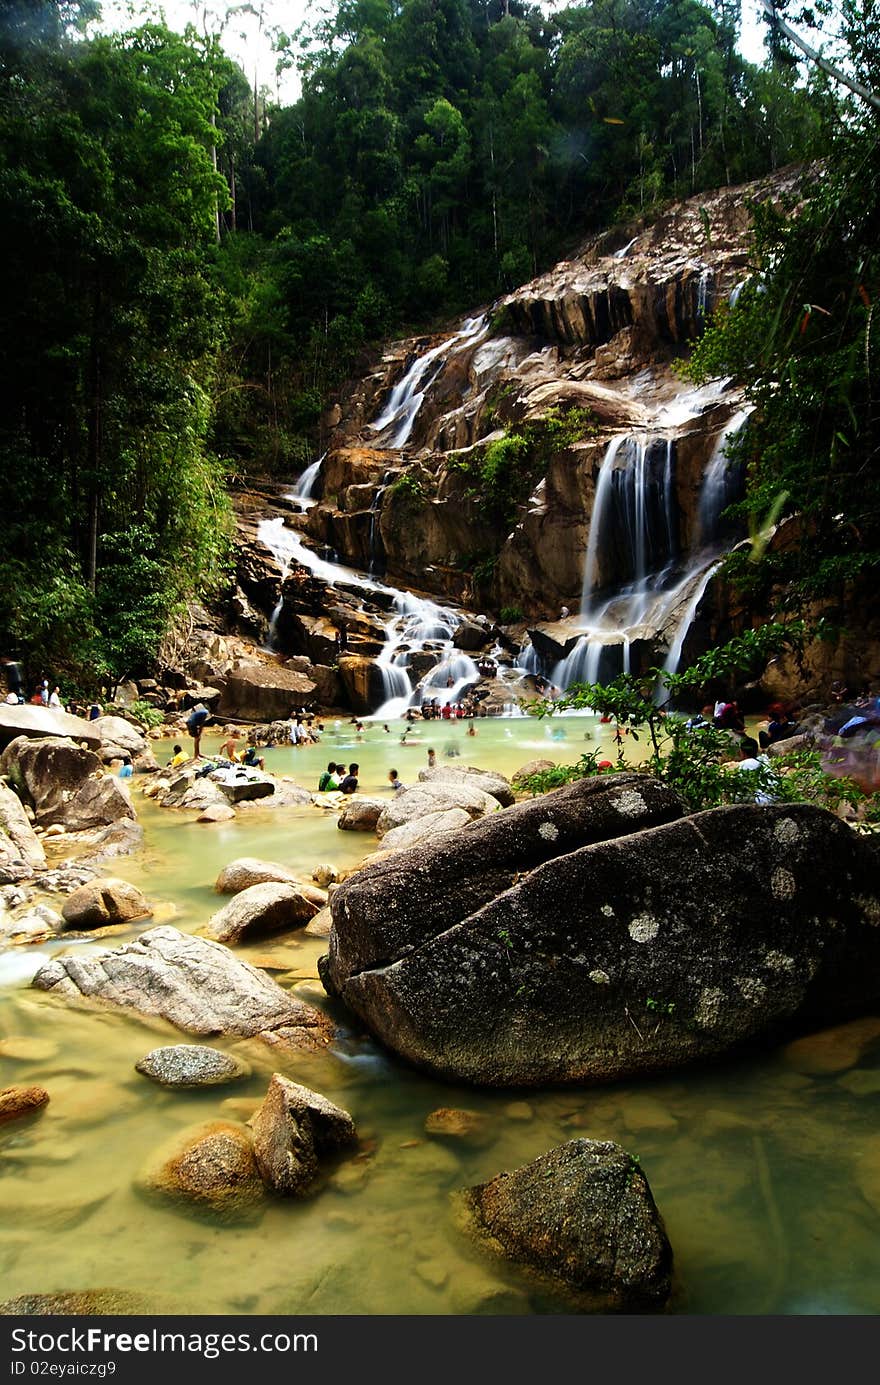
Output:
(582, 1218)
(259, 909)
(360, 815)
(21, 1101)
(671, 945)
(209, 1168)
(296, 1131)
(249, 870)
(101, 902)
(456, 1123)
(198, 985)
(191, 1065)
(118, 1303)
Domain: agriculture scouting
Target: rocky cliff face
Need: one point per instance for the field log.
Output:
(620, 520)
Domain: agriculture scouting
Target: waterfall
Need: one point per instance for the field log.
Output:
(304, 488)
(407, 395)
(634, 517)
(722, 482)
(375, 509)
(624, 250)
(415, 622)
(703, 286)
(686, 620)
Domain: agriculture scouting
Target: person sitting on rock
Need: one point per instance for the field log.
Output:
(350, 782)
(396, 783)
(179, 757)
(779, 728)
(702, 719)
(751, 762)
(251, 758)
(229, 749)
(730, 718)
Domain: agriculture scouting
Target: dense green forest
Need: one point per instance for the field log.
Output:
(189, 271)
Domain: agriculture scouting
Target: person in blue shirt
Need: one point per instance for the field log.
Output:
(126, 770)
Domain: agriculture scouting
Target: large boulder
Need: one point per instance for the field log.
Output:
(295, 1131)
(360, 814)
(37, 722)
(378, 916)
(580, 1219)
(429, 810)
(101, 902)
(196, 984)
(208, 1168)
(21, 852)
(675, 944)
(196, 793)
(245, 871)
(264, 692)
(259, 909)
(490, 781)
(119, 738)
(64, 784)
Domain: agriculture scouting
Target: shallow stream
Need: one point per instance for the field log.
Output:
(766, 1170)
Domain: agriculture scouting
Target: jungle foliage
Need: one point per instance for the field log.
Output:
(187, 271)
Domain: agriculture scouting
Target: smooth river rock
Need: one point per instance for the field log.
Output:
(21, 1101)
(582, 1219)
(196, 984)
(191, 1065)
(490, 781)
(245, 871)
(295, 1131)
(38, 722)
(269, 908)
(675, 944)
(101, 902)
(209, 1168)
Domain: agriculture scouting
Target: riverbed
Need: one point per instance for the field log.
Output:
(766, 1170)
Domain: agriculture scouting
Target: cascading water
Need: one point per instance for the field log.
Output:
(375, 509)
(399, 415)
(415, 623)
(303, 491)
(722, 482)
(635, 584)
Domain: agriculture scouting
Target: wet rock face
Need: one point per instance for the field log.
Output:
(583, 1218)
(196, 984)
(675, 944)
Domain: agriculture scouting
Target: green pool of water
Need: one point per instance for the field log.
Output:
(768, 1176)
